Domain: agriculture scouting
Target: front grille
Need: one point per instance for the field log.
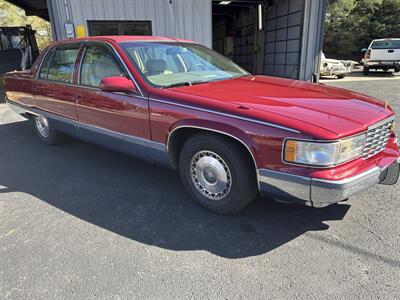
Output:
(377, 138)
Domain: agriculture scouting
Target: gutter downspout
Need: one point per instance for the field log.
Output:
(66, 7)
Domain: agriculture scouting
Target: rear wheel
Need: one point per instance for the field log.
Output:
(365, 70)
(397, 69)
(217, 173)
(340, 76)
(45, 132)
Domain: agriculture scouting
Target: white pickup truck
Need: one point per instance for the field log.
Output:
(382, 54)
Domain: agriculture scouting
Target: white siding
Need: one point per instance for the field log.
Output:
(189, 19)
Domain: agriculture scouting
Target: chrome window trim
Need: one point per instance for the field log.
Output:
(80, 67)
(84, 43)
(116, 56)
(41, 62)
(55, 46)
(125, 66)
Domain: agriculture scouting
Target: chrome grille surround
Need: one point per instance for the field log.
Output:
(377, 137)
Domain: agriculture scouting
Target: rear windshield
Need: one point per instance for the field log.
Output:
(392, 44)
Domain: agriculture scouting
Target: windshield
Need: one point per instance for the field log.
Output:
(172, 64)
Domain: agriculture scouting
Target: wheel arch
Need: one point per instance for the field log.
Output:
(180, 132)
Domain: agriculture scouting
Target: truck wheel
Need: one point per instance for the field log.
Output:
(340, 76)
(217, 174)
(365, 70)
(44, 131)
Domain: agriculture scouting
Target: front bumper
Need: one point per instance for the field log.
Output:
(318, 192)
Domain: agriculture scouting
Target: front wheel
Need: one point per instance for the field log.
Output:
(44, 131)
(365, 70)
(217, 173)
(341, 76)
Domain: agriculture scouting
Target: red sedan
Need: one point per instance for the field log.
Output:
(229, 133)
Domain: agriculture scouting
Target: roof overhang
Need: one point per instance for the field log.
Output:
(33, 7)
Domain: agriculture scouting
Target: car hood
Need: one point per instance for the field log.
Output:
(339, 111)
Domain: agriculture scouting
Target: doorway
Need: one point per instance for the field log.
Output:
(238, 32)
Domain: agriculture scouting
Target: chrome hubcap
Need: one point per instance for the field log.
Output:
(42, 125)
(210, 175)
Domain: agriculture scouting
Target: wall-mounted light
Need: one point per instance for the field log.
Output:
(260, 17)
(224, 2)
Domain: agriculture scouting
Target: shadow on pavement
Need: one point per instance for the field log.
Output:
(144, 202)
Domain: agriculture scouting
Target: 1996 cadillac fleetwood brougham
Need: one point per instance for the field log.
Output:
(229, 133)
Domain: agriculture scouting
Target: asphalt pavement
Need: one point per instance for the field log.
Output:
(81, 222)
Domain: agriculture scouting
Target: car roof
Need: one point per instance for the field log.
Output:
(127, 38)
(388, 39)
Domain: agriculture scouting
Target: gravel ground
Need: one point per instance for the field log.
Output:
(78, 221)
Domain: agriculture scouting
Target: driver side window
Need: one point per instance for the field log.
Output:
(98, 63)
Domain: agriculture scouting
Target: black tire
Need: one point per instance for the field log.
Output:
(235, 162)
(397, 69)
(50, 137)
(340, 76)
(365, 70)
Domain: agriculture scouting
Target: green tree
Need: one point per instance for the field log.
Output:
(352, 24)
(11, 15)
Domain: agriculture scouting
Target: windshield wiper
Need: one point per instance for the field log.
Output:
(190, 83)
(185, 83)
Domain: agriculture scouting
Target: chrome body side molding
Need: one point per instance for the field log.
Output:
(139, 147)
(225, 114)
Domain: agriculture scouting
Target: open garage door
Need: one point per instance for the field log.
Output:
(238, 32)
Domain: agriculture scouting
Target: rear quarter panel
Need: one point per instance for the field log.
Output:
(18, 87)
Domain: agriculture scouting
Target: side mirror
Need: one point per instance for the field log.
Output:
(117, 84)
(364, 50)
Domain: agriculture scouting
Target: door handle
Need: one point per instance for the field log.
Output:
(390, 51)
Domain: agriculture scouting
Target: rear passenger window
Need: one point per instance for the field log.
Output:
(61, 67)
(45, 65)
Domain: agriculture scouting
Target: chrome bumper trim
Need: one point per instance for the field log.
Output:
(318, 192)
(388, 63)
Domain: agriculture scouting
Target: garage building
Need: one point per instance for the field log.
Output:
(273, 37)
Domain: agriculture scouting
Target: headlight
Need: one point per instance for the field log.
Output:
(323, 154)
